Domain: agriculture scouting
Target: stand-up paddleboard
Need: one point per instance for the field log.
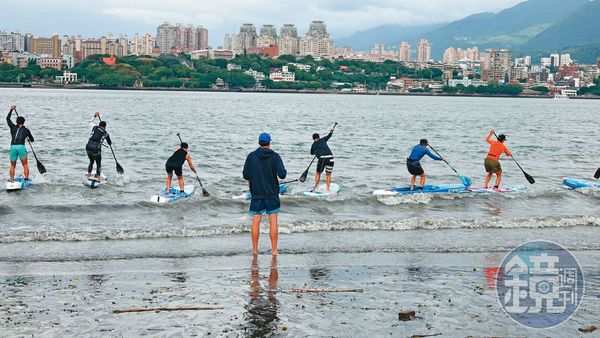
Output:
(173, 195)
(93, 183)
(575, 183)
(247, 195)
(18, 184)
(502, 189)
(428, 189)
(334, 189)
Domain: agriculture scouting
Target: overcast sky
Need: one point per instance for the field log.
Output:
(343, 17)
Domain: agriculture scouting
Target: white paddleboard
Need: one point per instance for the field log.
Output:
(334, 189)
(173, 195)
(18, 184)
(92, 183)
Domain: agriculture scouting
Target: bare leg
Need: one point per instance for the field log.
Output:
(255, 233)
(498, 178)
(25, 168)
(273, 233)
(317, 180)
(412, 182)
(181, 185)
(487, 180)
(169, 180)
(13, 165)
(422, 181)
(328, 180)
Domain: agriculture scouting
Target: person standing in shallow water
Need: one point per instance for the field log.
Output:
(93, 148)
(413, 163)
(321, 150)
(492, 160)
(19, 133)
(261, 169)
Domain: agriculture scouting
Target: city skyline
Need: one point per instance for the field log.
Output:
(100, 17)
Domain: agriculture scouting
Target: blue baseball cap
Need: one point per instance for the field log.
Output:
(264, 139)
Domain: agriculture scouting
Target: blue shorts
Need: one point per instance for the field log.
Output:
(260, 206)
(17, 152)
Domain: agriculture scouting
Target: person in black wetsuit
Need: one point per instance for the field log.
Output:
(321, 150)
(175, 164)
(18, 151)
(94, 145)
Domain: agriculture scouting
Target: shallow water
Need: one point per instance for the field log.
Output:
(551, 139)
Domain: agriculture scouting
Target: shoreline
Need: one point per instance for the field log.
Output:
(279, 91)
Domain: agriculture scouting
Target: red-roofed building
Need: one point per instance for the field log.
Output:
(110, 60)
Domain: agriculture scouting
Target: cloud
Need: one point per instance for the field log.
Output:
(343, 17)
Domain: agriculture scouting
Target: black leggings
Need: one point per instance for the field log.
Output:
(94, 157)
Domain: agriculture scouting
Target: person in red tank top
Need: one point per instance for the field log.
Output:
(492, 160)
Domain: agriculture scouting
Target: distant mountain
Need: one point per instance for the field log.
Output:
(389, 35)
(510, 28)
(580, 28)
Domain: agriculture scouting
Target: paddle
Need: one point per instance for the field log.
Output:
(597, 174)
(120, 170)
(304, 175)
(204, 191)
(529, 178)
(40, 166)
(465, 180)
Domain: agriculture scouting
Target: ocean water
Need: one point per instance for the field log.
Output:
(70, 255)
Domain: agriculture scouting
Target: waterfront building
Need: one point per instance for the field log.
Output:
(50, 62)
(281, 74)
(499, 62)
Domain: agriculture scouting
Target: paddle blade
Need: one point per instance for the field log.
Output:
(120, 169)
(205, 192)
(302, 178)
(597, 174)
(41, 167)
(529, 178)
(466, 181)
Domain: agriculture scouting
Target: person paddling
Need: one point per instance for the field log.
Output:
(413, 163)
(492, 160)
(261, 169)
(19, 133)
(93, 147)
(175, 164)
(321, 150)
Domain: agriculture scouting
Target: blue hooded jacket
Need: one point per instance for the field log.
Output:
(262, 168)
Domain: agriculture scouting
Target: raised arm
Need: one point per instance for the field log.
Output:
(326, 138)
(92, 122)
(8, 120)
(488, 139)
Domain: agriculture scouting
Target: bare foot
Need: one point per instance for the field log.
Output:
(274, 253)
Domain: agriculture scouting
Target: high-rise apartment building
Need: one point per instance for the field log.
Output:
(423, 51)
(499, 63)
(189, 38)
(451, 55)
(46, 46)
(404, 52)
(166, 37)
(289, 42)
(317, 42)
(142, 45)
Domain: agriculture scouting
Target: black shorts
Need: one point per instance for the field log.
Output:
(170, 169)
(414, 168)
(325, 164)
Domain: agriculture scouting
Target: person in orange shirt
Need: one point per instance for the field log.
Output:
(492, 161)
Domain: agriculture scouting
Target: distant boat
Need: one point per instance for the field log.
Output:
(561, 97)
